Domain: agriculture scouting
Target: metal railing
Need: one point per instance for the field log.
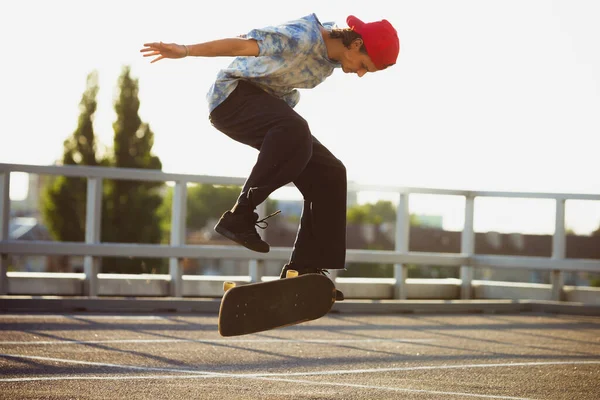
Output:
(92, 249)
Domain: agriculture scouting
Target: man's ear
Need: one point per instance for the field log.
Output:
(357, 43)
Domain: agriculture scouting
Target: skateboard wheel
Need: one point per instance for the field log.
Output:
(292, 273)
(228, 285)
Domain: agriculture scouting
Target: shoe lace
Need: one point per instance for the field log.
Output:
(262, 223)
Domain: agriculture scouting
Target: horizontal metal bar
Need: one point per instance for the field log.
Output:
(136, 250)
(394, 257)
(357, 187)
(160, 176)
(282, 254)
(543, 263)
(207, 251)
(120, 173)
(531, 195)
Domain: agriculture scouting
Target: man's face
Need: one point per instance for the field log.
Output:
(356, 62)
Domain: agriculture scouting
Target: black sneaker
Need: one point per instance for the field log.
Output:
(339, 296)
(241, 228)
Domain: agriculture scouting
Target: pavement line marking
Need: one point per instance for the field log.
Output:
(104, 378)
(89, 318)
(134, 341)
(288, 374)
(274, 376)
(431, 367)
(301, 381)
(394, 389)
(97, 364)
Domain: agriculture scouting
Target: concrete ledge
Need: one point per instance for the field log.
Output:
(582, 294)
(433, 289)
(432, 306)
(567, 308)
(209, 286)
(115, 285)
(211, 306)
(111, 304)
(511, 290)
(383, 288)
(196, 286)
(132, 285)
(158, 285)
(45, 283)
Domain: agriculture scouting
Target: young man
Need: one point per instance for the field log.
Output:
(252, 102)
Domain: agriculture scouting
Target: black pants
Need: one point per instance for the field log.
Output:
(289, 153)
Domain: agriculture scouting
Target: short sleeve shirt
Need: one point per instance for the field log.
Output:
(291, 56)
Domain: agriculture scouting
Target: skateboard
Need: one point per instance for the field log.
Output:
(262, 306)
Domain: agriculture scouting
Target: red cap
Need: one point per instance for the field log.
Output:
(380, 39)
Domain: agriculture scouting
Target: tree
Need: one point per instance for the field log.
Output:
(64, 199)
(130, 212)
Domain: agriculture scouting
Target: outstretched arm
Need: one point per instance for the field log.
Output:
(230, 47)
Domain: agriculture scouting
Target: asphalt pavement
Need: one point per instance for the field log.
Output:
(340, 356)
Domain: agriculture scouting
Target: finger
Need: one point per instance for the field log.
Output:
(154, 53)
(151, 51)
(157, 59)
(151, 47)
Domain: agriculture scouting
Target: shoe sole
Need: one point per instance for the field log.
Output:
(231, 236)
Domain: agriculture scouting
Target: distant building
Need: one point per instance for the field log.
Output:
(27, 228)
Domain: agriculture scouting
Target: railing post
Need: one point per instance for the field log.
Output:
(255, 267)
(253, 271)
(4, 221)
(402, 243)
(178, 228)
(92, 234)
(467, 247)
(558, 250)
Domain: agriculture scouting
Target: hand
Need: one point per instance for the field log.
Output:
(164, 50)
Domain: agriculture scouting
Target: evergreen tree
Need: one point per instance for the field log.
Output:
(130, 213)
(64, 199)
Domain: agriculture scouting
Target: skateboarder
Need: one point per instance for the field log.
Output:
(252, 102)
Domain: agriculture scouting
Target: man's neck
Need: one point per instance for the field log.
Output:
(335, 47)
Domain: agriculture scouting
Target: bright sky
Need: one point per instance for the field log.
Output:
(486, 95)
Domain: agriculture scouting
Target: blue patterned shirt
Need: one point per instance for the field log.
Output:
(291, 56)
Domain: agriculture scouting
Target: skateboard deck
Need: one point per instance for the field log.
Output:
(262, 306)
